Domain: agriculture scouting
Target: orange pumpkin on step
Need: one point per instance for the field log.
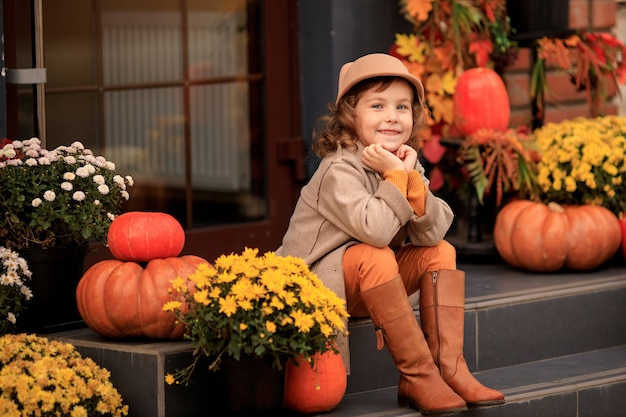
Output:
(548, 237)
(316, 389)
(121, 299)
(141, 236)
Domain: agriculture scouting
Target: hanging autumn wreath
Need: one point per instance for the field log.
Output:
(449, 37)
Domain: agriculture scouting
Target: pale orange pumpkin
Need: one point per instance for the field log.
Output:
(316, 389)
(480, 101)
(548, 237)
(141, 236)
(122, 299)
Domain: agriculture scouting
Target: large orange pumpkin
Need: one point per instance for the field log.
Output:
(480, 101)
(316, 389)
(547, 237)
(141, 236)
(122, 299)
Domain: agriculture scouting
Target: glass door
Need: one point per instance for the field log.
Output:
(196, 99)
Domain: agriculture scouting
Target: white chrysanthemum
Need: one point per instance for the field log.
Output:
(69, 176)
(96, 202)
(78, 145)
(14, 162)
(98, 179)
(9, 152)
(17, 144)
(111, 216)
(90, 168)
(32, 153)
(103, 189)
(66, 186)
(91, 159)
(28, 294)
(125, 194)
(36, 202)
(49, 195)
(78, 196)
(6, 279)
(69, 159)
(130, 180)
(119, 181)
(31, 162)
(82, 172)
(11, 317)
(44, 161)
(110, 166)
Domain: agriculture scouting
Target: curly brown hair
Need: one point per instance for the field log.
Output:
(338, 127)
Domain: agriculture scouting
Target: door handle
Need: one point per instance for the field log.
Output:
(26, 76)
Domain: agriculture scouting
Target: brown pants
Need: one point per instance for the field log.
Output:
(365, 267)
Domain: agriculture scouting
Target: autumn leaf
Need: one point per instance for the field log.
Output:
(441, 85)
(445, 55)
(407, 45)
(415, 68)
(442, 108)
(449, 81)
(419, 9)
(481, 49)
(434, 84)
(432, 149)
(436, 179)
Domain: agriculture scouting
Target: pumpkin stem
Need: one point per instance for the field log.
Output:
(555, 207)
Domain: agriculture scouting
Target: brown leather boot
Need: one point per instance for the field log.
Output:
(442, 313)
(420, 384)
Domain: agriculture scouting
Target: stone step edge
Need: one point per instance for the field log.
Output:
(543, 293)
(520, 297)
(520, 394)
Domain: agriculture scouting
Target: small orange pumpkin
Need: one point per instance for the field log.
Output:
(547, 237)
(122, 299)
(480, 101)
(318, 388)
(141, 236)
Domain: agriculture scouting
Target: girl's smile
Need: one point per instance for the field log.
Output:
(386, 116)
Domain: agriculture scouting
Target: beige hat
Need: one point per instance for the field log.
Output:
(374, 65)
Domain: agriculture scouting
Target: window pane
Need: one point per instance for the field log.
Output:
(71, 117)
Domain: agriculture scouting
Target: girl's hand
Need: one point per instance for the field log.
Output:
(381, 160)
(408, 156)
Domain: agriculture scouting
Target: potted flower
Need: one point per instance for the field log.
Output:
(63, 197)
(44, 377)
(583, 162)
(14, 290)
(248, 305)
(574, 222)
(54, 203)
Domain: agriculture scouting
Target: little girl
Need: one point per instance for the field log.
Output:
(368, 226)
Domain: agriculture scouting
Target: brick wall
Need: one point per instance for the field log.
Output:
(563, 101)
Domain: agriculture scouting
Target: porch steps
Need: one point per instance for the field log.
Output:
(555, 344)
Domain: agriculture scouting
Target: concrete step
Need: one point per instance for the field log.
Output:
(513, 317)
(589, 384)
(546, 340)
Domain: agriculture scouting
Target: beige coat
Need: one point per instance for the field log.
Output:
(345, 203)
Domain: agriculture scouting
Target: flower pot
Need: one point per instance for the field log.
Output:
(254, 385)
(56, 273)
(533, 19)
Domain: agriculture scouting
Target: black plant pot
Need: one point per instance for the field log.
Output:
(533, 19)
(56, 273)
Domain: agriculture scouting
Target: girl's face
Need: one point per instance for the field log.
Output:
(386, 116)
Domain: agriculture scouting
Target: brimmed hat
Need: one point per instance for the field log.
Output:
(374, 65)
